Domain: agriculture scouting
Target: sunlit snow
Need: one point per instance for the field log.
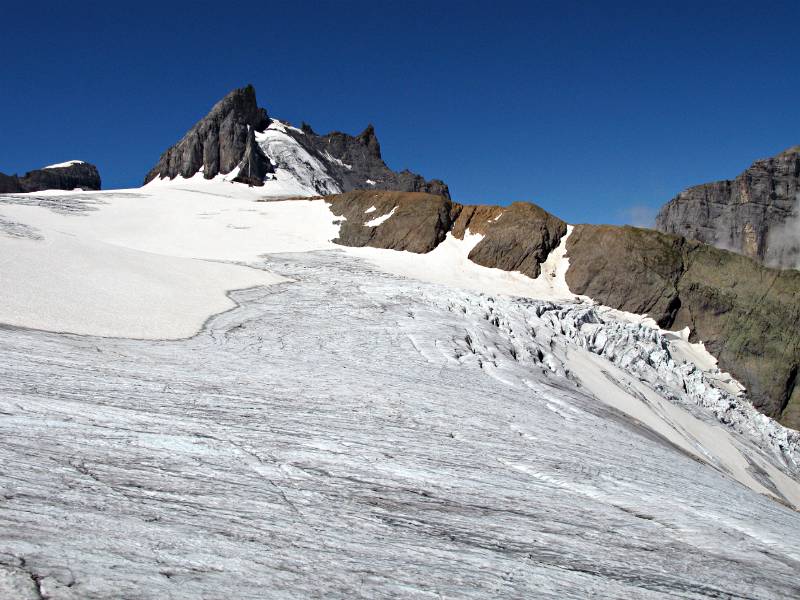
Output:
(69, 163)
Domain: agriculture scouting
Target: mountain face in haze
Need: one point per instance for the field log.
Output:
(754, 214)
(744, 312)
(65, 176)
(238, 139)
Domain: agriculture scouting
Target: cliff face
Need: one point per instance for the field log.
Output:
(753, 214)
(69, 176)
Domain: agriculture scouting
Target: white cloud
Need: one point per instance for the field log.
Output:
(638, 215)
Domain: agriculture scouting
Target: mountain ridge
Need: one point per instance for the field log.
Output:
(238, 136)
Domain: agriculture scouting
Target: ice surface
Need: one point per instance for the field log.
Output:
(377, 424)
(351, 435)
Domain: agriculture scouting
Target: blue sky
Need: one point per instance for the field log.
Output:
(597, 111)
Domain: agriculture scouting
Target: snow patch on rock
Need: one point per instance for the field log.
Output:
(382, 219)
(62, 165)
(337, 161)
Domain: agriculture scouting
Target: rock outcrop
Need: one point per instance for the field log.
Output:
(745, 314)
(218, 142)
(9, 184)
(226, 140)
(515, 238)
(66, 176)
(754, 214)
(627, 268)
(419, 222)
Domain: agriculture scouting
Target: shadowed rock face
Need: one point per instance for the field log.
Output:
(746, 314)
(255, 165)
(746, 215)
(9, 184)
(631, 269)
(365, 167)
(218, 142)
(78, 175)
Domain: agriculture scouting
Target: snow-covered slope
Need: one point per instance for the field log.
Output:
(294, 165)
(361, 422)
(61, 165)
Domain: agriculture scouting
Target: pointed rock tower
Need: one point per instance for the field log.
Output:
(219, 141)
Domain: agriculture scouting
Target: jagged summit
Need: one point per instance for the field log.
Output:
(218, 142)
(237, 139)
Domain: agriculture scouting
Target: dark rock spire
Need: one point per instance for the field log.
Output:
(218, 142)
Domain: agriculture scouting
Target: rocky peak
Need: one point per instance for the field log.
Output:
(370, 141)
(318, 164)
(218, 142)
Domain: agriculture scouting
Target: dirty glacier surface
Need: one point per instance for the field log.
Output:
(355, 434)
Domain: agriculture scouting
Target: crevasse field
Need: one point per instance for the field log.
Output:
(201, 396)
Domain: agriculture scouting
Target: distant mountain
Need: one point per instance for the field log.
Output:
(63, 176)
(238, 140)
(755, 214)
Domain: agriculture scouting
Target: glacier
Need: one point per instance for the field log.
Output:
(357, 422)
